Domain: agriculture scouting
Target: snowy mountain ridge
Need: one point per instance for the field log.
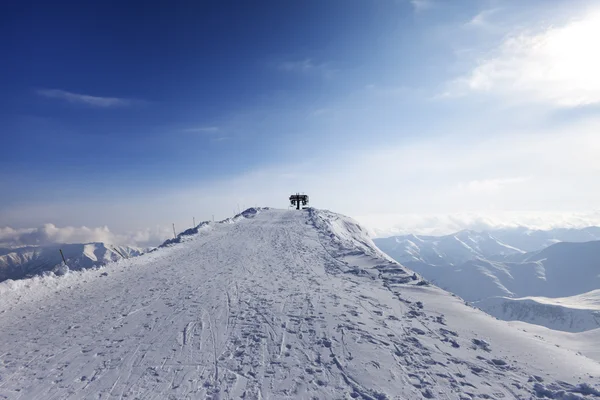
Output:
(585, 301)
(570, 314)
(506, 281)
(534, 239)
(275, 304)
(451, 249)
(467, 245)
(561, 270)
(21, 262)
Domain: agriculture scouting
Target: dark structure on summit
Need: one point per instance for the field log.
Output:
(297, 199)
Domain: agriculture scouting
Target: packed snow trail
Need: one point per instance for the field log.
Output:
(273, 305)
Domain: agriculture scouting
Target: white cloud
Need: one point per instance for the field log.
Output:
(558, 66)
(385, 225)
(94, 101)
(50, 233)
(482, 19)
(8, 234)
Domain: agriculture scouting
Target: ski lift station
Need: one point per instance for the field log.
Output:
(299, 199)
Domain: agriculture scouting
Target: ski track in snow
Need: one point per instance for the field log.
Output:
(274, 306)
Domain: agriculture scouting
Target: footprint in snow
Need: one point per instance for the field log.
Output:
(481, 344)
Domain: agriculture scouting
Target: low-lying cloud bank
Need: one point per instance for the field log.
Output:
(385, 225)
(50, 233)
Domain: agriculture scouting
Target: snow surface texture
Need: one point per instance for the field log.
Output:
(272, 304)
(22, 262)
(585, 343)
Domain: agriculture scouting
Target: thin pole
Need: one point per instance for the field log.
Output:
(213, 217)
(194, 218)
(63, 256)
(119, 253)
(174, 234)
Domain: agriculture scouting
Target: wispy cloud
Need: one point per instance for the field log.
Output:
(215, 133)
(203, 129)
(421, 5)
(307, 66)
(482, 19)
(390, 91)
(298, 66)
(558, 66)
(320, 111)
(77, 98)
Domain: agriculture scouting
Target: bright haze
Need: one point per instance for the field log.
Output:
(424, 116)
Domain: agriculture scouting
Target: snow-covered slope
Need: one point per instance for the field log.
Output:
(275, 304)
(17, 263)
(571, 314)
(585, 343)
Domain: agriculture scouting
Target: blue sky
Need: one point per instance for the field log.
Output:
(133, 115)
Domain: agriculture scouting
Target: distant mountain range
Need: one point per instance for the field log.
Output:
(504, 273)
(21, 262)
(467, 244)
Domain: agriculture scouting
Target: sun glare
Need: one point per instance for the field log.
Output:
(559, 65)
